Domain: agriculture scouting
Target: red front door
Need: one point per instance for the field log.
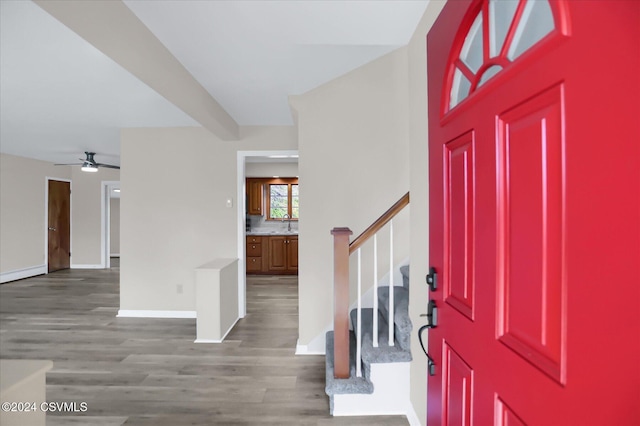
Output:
(534, 147)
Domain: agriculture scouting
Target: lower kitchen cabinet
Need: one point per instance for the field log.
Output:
(274, 254)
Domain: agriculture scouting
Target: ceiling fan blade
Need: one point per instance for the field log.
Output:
(108, 166)
(69, 164)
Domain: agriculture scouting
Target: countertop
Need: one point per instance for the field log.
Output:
(272, 232)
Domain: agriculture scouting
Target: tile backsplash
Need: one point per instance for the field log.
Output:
(259, 222)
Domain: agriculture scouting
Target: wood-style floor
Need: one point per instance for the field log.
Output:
(149, 371)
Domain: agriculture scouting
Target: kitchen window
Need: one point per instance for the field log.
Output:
(282, 198)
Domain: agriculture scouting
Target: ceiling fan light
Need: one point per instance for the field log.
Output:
(88, 167)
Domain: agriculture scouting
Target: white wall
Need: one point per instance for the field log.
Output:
(353, 165)
(173, 216)
(22, 210)
(271, 169)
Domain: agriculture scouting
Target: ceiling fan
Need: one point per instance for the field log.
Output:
(89, 164)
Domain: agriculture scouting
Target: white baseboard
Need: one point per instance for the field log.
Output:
(19, 274)
(317, 346)
(224, 336)
(86, 266)
(124, 313)
(412, 416)
(207, 341)
(218, 340)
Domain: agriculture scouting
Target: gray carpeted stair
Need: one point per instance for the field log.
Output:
(404, 270)
(399, 352)
(384, 352)
(351, 385)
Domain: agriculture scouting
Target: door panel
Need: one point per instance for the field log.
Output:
(459, 175)
(534, 194)
(458, 377)
(59, 227)
(531, 284)
(505, 416)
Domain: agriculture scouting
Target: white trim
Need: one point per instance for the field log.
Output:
(19, 274)
(86, 266)
(317, 345)
(105, 221)
(46, 219)
(138, 313)
(241, 202)
(241, 219)
(412, 416)
(309, 349)
(223, 337)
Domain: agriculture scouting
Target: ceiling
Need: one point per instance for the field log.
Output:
(60, 96)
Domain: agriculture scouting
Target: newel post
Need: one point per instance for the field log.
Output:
(341, 302)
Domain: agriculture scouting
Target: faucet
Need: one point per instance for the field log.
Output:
(286, 215)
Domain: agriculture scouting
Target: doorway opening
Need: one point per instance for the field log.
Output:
(110, 220)
(269, 163)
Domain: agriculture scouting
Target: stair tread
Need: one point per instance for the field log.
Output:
(383, 353)
(359, 385)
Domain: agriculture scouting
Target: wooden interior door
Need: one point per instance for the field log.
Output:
(534, 148)
(59, 225)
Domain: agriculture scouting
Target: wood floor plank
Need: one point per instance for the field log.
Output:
(137, 371)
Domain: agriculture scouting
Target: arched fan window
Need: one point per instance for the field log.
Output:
(501, 31)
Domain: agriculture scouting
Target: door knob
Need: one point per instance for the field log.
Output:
(52, 229)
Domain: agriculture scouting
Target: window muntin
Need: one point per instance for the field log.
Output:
(513, 28)
(535, 23)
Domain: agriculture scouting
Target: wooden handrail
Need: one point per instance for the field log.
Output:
(379, 223)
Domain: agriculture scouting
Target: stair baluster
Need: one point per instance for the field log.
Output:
(359, 320)
(375, 290)
(391, 292)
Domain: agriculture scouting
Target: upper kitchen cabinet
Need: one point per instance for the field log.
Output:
(255, 195)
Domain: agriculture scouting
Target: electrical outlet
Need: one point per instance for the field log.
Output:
(179, 288)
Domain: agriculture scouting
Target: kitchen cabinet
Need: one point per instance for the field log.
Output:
(254, 254)
(282, 254)
(255, 194)
(274, 254)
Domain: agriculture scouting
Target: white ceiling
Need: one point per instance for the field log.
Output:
(60, 96)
